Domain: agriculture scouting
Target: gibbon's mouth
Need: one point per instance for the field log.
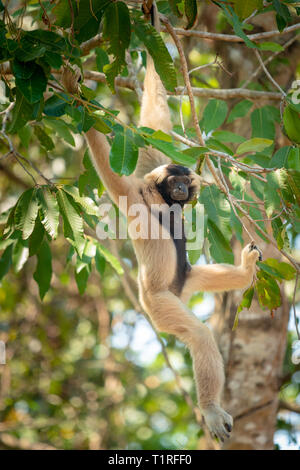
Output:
(179, 196)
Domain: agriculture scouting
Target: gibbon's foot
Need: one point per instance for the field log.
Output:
(218, 421)
(250, 254)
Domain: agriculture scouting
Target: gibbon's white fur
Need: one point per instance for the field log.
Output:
(165, 280)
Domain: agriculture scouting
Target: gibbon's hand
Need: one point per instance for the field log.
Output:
(218, 421)
(250, 254)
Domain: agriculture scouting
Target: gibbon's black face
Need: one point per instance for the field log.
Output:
(176, 186)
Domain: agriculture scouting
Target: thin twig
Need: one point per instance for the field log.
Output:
(283, 93)
(268, 60)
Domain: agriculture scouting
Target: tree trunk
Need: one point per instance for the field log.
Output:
(253, 356)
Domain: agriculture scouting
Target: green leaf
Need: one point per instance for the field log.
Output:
(43, 137)
(81, 278)
(190, 10)
(26, 212)
(88, 18)
(292, 179)
(271, 194)
(36, 237)
(73, 223)
(263, 122)
(239, 110)
(20, 255)
(227, 136)
(160, 135)
(116, 30)
(181, 158)
(6, 261)
(233, 19)
(291, 121)
(268, 291)
(87, 204)
(283, 15)
(278, 232)
(124, 153)
(196, 152)
(101, 58)
(21, 113)
(157, 49)
(256, 144)
(219, 246)
(56, 105)
(54, 60)
(61, 128)
(174, 7)
(25, 134)
(87, 15)
(246, 7)
(89, 177)
(100, 262)
(278, 269)
(280, 158)
(33, 87)
(245, 303)
(86, 121)
(112, 260)
(30, 216)
(217, 209)
(270, 46)
(100, 125)
(49, 211)
(43, 271)
(214, 115)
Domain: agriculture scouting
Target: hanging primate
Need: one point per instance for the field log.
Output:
(166, 280)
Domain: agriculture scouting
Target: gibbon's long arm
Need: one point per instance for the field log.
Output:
(222, 277)
(115, 184)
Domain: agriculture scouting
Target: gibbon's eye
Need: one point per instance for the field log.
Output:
(171, 180)
(187, 180)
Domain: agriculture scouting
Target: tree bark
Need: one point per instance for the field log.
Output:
(253, 356)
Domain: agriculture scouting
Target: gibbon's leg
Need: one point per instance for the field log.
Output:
(156, 115)
(155, 111)
(222, 277)
(170, 315)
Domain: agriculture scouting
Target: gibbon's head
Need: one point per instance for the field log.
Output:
(175, 183)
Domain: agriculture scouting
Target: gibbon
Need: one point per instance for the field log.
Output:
(166, 280)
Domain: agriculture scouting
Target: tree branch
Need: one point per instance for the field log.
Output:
(231, 37)
(127, 82)
(87, 46)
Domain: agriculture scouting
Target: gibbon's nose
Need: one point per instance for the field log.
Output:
(180, 191)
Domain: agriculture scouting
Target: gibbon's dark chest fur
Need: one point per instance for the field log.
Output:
(183, 266)
(176, 219)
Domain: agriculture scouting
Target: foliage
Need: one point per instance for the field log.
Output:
(42, 124)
